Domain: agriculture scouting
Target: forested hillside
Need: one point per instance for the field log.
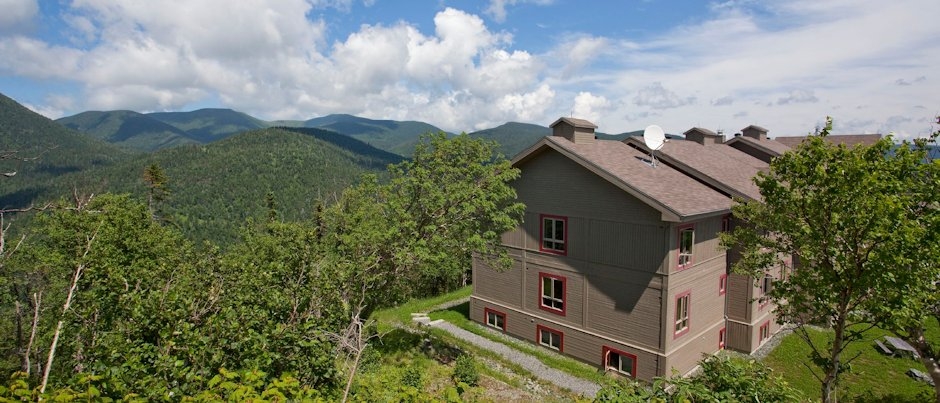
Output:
(159, 130)
(41, 153)
(214, 188)
(209, 124)
(390, 135)
(120, 305)
(127, 129)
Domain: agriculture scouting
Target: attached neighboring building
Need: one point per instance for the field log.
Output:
(617, 262)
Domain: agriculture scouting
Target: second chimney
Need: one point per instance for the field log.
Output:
(755, 132)
(703, 136)
(578, 131)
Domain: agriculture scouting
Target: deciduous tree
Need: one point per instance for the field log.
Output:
(848, 217)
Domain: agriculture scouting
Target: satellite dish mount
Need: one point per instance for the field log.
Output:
(655, 138)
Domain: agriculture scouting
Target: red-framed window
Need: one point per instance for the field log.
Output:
(686, 238)
(723, 284)
(726, 223)
(765, 331)
(766, 285)
(682, 316)
(619, 361)
(552, 292)
(495, 319)
(554, 230)
(722, 334)
(551, 338)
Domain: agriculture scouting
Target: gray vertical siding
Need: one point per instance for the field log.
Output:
(739, 337)
(739, 297)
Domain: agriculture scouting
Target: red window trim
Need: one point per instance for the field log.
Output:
(564, 292)
(722, 338)
(486, 312)
(764, 299)
(687, 293)
(561, 336)
(760, 332)
(726, 223)
(542, 248)
(680, 267)
(604, 356)
(723, 284)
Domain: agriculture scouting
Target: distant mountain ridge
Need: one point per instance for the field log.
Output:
(215, 187)
(159, 130)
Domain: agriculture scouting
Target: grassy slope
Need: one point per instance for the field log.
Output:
(872, 376)
(399, 350)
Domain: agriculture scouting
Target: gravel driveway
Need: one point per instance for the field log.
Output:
(577, 385)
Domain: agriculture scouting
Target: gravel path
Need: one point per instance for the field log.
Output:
(530, 363)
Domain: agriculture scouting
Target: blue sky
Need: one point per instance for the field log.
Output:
(466, 65)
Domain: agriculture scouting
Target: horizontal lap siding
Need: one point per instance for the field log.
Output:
(703, 341)
(574, 296)
(706, 305)
(589, 348)
(504, 286)
(625, 311)
(577, 344)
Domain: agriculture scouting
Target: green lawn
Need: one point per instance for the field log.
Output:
(401, 314)
(872, 377)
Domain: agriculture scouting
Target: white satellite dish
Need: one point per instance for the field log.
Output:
(655, 138)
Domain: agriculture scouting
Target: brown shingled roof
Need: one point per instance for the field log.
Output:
(850, 140)
(673, 193)
(773, 147)
(719, 165)
(575, 122)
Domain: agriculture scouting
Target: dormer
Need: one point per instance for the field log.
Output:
(578, 131)
(703, 136)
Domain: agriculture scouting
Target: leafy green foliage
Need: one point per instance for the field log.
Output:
(152, 317)
(413, 376)
(849, 217)
(416, 234)
(722, 379)
(465, 370)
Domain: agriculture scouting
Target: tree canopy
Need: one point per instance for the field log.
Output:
(851, 219)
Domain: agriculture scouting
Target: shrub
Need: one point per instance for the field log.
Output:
(465, 370)
(413, 376)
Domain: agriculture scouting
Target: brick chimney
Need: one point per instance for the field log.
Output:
(578, 131)
(703, 136)
(755, 132)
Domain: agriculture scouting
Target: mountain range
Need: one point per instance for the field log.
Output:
(216, 187)
(160, 130)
